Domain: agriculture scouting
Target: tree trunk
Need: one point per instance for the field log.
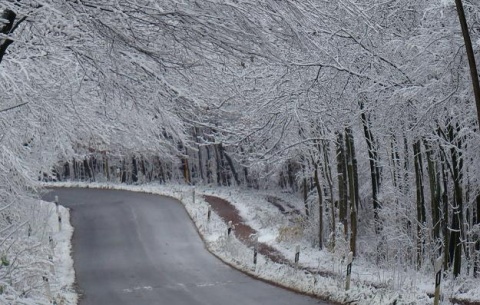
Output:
(6, 29)
(355, 176)
(161, 175)
(434, 191)
(209, 165)
(457, 211)
(86, 167)
(246, 177)
(342, 182)
(186, 170)
(374, 168)
(123, 172)
(328, 177)
(421, 213)
(353, 188)
(92, 162)
(200, 174)
(199, 154)
(470, 56)
(143, 169)
(394, 162)
(320, 206)
(75, 171)
(305, 196)
(200, 163)
(219, 166)
(232, 167)
(106, 167)
(134, 170)
(66, 171)
(291, 176)
(476, 265)
(445, 218)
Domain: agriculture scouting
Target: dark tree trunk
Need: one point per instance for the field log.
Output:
(291, 176)
(476, 265)
(353, 188)
(219, 166)
(232, 167)
(86, 167)
(342, 182)
(199, 154)
(328, 177)
(457, 210)
(186, 170)
(66, 171)
(374, 167)
(161, 172)
(434, 191)
(421, 213)
(470, 56)
(143, 169)
(6, 29)
(320, 206)
(92, 162)
(305, 196)
(123, 173)
(134, 170)
(200, 164)
(209, 165)
(445, 218)
(75, 169)
(106, 167)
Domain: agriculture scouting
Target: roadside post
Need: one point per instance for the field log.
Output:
(349, 270)
(46, 284)
(229, 229)
(56, 204)
(57, 209)
(52, 246)
(438, 279)
(52, 267)
(59, 222)
(255, 251)
(297, 255)
(193, 195)
(209, 213)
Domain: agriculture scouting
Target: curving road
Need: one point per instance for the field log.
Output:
(140, 249)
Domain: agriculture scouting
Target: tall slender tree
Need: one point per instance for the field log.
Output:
(471, 57)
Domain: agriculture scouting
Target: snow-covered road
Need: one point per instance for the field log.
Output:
(134, 248)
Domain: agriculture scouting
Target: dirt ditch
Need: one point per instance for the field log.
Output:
(245, 233)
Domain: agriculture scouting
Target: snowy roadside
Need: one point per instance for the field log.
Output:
(36, 266)
(370, 284)
(62, 274)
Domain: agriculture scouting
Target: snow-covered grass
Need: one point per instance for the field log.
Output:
(370, 284)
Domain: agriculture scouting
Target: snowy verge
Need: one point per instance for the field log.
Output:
(62, 274)
(36, 266)
(370, 284)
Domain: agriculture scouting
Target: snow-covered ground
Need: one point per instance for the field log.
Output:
(370, 284)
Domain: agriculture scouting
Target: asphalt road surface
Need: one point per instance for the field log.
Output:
(140, 249)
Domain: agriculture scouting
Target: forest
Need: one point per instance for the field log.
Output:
(367, 110)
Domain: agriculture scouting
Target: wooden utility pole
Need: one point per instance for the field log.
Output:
(470, 56)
